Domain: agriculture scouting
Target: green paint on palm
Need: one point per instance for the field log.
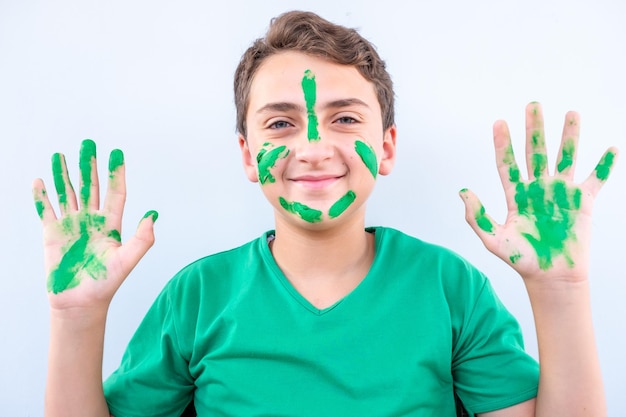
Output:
(567, 155)
(266, 160)
(115, 234)
(306, 213)
(515, 257)
(368, 156)
(603, 169)
(116, 160)
(550, 207)
(483, 221)
(79, 256)
(342, 204)
(310, 96)
(85, 163)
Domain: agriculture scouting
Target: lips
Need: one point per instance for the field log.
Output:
(316, 182)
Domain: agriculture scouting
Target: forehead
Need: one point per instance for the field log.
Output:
(279, 79)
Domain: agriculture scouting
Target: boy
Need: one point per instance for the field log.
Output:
(323, 316)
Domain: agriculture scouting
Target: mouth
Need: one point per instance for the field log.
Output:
(316, 182)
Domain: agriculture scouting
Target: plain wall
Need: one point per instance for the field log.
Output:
(154, 79)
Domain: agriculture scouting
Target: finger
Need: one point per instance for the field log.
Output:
(62, 184)
(602, 171)
(482, 224)
(42, 202)
(536, 155)
(116, 189)
(89, 188)
(566, 162)
(505, 160)
(140, 243)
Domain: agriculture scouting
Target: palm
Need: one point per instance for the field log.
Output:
(549, 217)
(85, 260)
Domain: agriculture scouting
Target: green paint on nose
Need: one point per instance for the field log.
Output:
(567, 155)
(603, 169)
(85, 163)
(116, 160)
(306, 213)
(342, 204)
(310, 96)
(483, 221)
(266, 160)
(59, 179)
(368, 156)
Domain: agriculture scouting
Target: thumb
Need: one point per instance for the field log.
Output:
(482, 224)
(138, 245)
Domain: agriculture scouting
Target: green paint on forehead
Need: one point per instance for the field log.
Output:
(368, 156)
(59, 179)
(85, 163)
(603, 169)
(310, 96)
(567, 155)
(266, 160)
(342, 204)
(306, 213)
(116, 160)
(483, 221)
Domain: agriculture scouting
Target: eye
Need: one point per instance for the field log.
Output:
(346, 120)
(280, 124)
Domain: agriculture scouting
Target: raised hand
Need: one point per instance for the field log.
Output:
(85, 261)
(547, 228)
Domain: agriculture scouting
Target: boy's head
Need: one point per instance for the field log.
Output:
(308, 33)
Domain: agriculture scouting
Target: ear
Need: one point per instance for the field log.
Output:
(389, 151)
(249, 160)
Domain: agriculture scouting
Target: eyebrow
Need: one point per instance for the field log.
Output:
(284, 106)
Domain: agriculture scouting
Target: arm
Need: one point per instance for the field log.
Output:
(85, 264)
(545, 238)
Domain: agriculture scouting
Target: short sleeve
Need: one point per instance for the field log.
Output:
(490, 367)
(153, 378)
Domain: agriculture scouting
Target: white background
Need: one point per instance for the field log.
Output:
(155, 77)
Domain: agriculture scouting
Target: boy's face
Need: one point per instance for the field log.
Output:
(315, 139)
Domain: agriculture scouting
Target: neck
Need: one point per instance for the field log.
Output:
(324, 265)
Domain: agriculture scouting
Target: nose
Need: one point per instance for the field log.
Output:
(313, 151)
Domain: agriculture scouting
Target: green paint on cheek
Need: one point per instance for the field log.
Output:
(603, 169)
(567, 155)
(306, 213)
(483, 221)
(87, 156)
(368, 156)
(59, 180)
(310, 96)
(116, 160)
(266, 160)
(342, 204)
(553, 211)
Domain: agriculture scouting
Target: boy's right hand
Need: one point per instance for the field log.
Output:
(85, 261)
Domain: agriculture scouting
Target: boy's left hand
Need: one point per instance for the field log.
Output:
(548, 226)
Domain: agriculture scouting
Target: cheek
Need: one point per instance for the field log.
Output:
(367, 155)
(267, 160)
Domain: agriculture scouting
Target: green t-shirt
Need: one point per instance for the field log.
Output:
(232, 333)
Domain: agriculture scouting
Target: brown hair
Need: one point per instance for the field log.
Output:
(308, 33)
